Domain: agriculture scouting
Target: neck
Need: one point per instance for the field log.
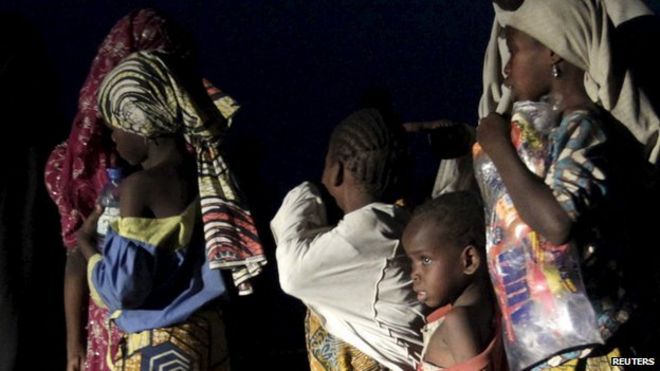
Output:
(354, 200)
(570, 87)
(162, 151)
(475, 293)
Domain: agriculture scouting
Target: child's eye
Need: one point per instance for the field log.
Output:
(426, 260)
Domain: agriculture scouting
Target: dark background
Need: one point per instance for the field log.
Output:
(297, 68)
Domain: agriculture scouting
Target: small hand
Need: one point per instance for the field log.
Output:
(87, 233)
(494, 133)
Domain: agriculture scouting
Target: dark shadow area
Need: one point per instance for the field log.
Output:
(296, 68)
(31, 257)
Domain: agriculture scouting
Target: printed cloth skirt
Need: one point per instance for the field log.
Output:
(199, 343)
(328, 353)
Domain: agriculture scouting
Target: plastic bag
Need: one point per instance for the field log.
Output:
(539, 287)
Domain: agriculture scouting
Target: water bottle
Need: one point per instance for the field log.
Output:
(109, 200)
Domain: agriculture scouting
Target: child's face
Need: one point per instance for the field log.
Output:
(436, 266)
(131, 147)
(529, 70)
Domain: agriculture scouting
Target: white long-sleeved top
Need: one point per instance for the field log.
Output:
(354, 275)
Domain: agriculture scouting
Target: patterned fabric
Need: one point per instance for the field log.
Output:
(143, 97)
(496, 97)
(101, 338)
(75, 171)
(581, 32)
(196, 344)
(578, 181)
(327, 353)
(575, 168)
(153, 272)
(576, 361)
(354, 275)
(544, 303)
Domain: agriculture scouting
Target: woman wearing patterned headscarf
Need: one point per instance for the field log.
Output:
(181, 217)
(75, 174)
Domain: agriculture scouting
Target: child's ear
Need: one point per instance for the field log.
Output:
(470, 259)
(338, 174)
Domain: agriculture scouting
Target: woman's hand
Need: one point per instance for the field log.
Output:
(75, 357)
(494, 134)
(87, 233)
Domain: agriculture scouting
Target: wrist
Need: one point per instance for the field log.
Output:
(74, 346)
(87, 248)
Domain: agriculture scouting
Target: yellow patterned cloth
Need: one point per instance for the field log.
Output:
(196, 344)
(597, 363)
(327, 353)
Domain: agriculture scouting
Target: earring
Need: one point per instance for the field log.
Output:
(555, 71)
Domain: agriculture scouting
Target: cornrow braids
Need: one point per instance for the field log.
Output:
(458, 215)
(372, 151)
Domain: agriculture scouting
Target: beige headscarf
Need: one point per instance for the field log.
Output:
(580, 32)
(496, 97)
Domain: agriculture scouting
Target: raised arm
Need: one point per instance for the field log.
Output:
(297, 228)
(532, 197)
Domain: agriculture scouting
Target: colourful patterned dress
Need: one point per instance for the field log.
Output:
(328, 353)
(160, 291)
(542, 287)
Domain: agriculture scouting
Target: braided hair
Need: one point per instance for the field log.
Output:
(372, 150)
(458, 215)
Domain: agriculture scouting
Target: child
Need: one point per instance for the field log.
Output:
(353, 277)
(445, 242)
(567, 200)
(154, 272)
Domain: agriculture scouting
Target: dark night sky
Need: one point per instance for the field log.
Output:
(298, 68)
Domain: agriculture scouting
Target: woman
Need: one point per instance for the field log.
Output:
(566, 167)
(619, 93)
(155, 274)
(75, 174)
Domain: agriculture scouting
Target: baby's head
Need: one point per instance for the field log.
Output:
(366, 154)
(445, 240)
